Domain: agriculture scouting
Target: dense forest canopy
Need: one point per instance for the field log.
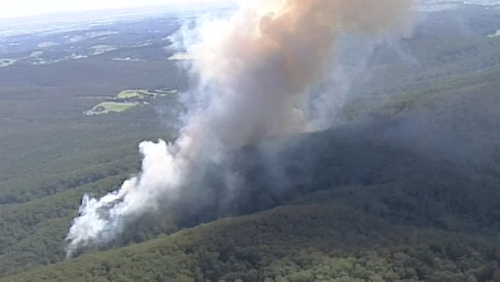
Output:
(402, 187)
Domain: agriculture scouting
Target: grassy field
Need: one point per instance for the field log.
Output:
(128, 99)
(101, 49)
(7, 62)
(36, 54)
(141, 94)
(111, 107)
(126, 94)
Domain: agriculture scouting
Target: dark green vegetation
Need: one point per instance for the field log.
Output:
(51, 152)
(405, 190)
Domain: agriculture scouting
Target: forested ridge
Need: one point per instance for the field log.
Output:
(300, 242)
(405, 187)
(401, 215)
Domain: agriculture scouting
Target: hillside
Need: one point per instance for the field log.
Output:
(403, 188)
(372, 210)
(414, 220)
(312, 242)
(51, 153)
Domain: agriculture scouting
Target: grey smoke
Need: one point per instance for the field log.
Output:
(254, 71)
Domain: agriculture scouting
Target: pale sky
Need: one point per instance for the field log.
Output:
(18, 8)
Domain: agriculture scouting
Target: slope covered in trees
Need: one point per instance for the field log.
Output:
(405, 189)
(326, 241)
(362, 202)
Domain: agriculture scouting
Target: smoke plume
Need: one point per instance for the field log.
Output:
(253, 70)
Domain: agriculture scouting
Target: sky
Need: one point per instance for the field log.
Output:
(20, 8)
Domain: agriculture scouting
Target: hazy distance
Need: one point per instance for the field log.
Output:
(25, 8)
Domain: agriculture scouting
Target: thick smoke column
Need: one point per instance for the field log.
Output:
(254, 69)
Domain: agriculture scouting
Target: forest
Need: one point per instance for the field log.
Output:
(404, 186)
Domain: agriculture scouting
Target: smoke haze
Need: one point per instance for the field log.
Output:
(253, 71)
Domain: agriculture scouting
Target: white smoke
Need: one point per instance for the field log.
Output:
(254, 69)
